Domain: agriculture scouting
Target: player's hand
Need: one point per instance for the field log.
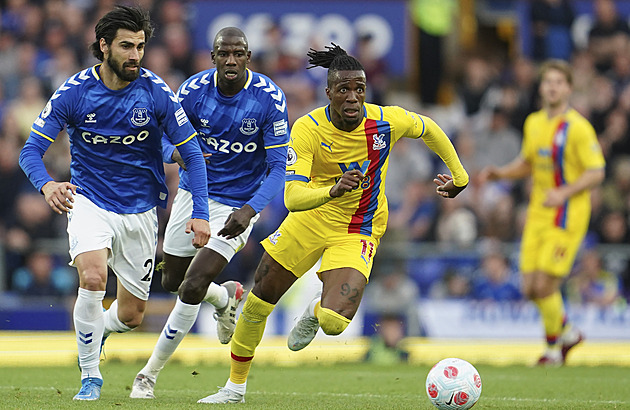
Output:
(349, 180)
(237, 222)
(59, 195)
(201, 228)
(445, 186)
(177, 157)
(489, 173)
(555, 198)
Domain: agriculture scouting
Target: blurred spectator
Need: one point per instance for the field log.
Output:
(33, 222)
(498, 143)
(612, 228)
(434, 19)
(375, 70)
(551, 24)
(453, 286)
(609, 34)
(456, 226)
(41, 277)
(591, 283)
(476, 81)
(385, 346)
(495, 280)
(392, 293)
(27, 106)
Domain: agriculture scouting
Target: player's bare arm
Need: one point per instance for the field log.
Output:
(445, 186)
(589, 179)
(237, 222)
(201, 228)
(349, 180)
(59, 195)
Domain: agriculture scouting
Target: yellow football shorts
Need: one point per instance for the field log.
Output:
(300, 241)
(549, 249)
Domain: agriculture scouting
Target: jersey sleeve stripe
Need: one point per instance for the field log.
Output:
(250, 77)
(43, 135)
(424, 127)
(187, 139)
(296, 178)
(381, 108)
(277, 146)
(311, 117)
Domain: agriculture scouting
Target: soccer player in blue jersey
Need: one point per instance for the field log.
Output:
(241, 120)
(116, 114)
(335, 177)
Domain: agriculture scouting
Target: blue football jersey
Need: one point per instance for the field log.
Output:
(115, 138)
(247, 135)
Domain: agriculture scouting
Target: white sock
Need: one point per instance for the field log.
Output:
(217, 295)
(112, 322)
(88, 324)
(311, 306)
(237, 388)
(177, 325)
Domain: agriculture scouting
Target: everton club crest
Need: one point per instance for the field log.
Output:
(140, 117)
(248, 126)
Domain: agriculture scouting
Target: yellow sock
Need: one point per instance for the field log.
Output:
(247, 336)
(551, 311)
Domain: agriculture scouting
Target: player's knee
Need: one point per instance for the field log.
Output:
(255, 309)
(331, 322)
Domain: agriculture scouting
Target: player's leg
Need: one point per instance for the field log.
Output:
(90, 233)
(88, 320)
(173, 270)
(271, 281)
(289, 252)
(179, 251)
(544, 291)
(554, 257)
(346, 266)
(332, 310)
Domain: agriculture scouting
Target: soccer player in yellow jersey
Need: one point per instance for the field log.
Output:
(561, 153)
(336, 169)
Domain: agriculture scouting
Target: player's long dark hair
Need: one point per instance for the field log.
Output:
(129, 18)
(334, 58)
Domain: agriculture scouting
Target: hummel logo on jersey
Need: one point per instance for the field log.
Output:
(140, 117)
(248, 126)
(379, 144)
(328, 146)
(204, 122)
(91, 118)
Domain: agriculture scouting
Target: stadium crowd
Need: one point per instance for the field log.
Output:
(44, 42)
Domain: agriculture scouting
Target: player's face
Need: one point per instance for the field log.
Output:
(230, 55)
(555, 90)
(347, 95)
(125, 54)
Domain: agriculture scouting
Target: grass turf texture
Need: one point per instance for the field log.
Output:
(339, 386)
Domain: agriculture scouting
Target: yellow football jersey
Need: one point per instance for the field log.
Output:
(319, 154)
(559, 150)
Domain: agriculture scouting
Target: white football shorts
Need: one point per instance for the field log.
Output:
(130, 238)
(178, 243)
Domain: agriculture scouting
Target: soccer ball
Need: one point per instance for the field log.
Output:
(453, 384)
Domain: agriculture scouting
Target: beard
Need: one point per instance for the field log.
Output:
(118, 69)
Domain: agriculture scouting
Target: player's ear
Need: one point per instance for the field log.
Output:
(249, 56)
(328, 93)
(212, 56)
(103, 46)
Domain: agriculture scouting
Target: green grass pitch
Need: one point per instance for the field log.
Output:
(336, 386)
